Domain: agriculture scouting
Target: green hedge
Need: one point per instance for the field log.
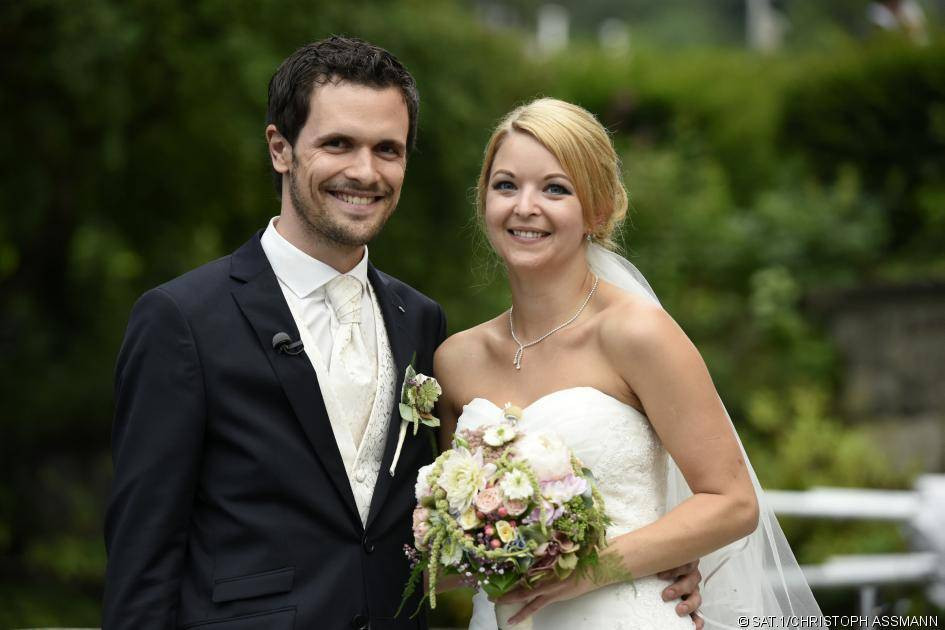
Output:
(884, 114)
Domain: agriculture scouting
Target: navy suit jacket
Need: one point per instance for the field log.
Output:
(230, 507)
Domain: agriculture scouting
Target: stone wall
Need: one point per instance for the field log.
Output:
(892, 339)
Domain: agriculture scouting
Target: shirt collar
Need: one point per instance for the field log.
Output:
(299, 271)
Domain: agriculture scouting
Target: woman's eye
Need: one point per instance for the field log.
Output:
(557, 189)
(503, 185)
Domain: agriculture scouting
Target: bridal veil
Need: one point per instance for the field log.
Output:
(755, 576)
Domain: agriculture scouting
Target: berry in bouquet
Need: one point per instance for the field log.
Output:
(505, 508)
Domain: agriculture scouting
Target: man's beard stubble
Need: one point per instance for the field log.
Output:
(320, 225)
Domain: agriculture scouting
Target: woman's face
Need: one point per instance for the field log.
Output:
(532, 213)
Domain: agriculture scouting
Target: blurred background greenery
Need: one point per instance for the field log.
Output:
(771, 173)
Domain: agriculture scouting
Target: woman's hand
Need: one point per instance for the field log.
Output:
(685, 585)
(534, 599)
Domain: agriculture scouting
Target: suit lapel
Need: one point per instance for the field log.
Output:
(402, 346)
(260, 299)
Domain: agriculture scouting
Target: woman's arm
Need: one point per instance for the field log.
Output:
(665, 371)
(662, 366)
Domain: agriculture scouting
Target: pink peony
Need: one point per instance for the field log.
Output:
(551, 514)
(548, 456)
(563, 490)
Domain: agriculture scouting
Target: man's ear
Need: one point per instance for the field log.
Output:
(280, 151)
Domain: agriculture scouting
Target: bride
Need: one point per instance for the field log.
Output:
(587, 352)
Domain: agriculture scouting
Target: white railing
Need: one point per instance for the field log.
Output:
(921, 510)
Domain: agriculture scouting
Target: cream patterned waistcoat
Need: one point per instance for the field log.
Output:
(362, 461)
(367, 457)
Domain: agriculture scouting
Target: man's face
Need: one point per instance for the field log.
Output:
(348, 162)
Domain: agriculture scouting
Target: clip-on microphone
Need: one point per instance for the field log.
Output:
(281, 342)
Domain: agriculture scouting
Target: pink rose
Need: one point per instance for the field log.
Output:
(419, 532)
(515, 507)
(420, 515)
(488, 500)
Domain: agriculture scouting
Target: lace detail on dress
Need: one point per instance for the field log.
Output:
(620, 446)
(367, 464)
(631, 472)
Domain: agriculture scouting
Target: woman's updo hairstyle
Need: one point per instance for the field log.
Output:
(583, 148)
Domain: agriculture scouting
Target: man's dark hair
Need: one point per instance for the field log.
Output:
(334, 59)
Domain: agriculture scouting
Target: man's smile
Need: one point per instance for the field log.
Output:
(360, 199)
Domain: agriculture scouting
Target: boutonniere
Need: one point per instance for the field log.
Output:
(417, 397)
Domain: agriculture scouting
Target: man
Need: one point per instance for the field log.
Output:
(256, 396)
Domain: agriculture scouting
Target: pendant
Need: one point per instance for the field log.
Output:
(517, 361)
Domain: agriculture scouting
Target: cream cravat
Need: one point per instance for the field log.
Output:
(351, 368)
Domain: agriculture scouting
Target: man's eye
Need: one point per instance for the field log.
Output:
(337, 143)
(557, 189)
(388, 149)
(503, 185)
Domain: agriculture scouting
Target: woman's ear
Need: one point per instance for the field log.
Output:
(595, 225)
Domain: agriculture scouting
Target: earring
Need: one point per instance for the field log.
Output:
(588, 237)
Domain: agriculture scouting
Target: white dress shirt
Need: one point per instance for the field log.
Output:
(303, 279)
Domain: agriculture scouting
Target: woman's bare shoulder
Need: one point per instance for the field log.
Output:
(632, 323)
(461, 357)
(470, 345)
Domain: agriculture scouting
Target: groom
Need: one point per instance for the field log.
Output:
(256, 396)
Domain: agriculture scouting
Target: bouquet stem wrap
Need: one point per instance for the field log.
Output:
(503, 612)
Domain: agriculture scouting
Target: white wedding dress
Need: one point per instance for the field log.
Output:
(618, 444)
(754, 576)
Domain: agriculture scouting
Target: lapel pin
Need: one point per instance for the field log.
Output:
(402, 310)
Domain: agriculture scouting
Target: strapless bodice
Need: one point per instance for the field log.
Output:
(610, 437)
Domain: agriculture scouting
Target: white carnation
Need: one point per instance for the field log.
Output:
(422, 489)
(462, 477)
(548, 455)
(516, 486)
(498, 434)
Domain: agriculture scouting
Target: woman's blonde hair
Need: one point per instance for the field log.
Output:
(583, 148)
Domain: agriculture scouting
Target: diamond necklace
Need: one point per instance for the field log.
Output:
(517, 361)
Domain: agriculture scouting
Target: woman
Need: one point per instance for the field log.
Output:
(588, 353)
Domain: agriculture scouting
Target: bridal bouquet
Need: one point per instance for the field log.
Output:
(505, 508)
